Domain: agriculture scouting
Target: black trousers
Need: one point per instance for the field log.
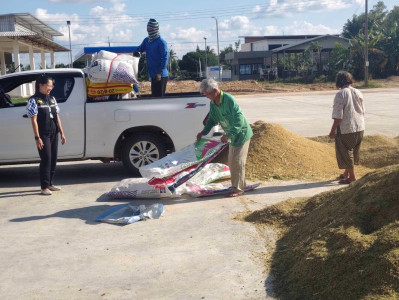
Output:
(158, 87)
(48, 158)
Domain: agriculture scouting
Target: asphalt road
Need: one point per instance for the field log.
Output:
(52, 248)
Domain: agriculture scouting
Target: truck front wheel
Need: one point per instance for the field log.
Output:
(140, 150)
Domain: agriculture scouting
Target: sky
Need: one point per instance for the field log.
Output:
(185, 24)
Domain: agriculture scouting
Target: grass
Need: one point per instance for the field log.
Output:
(371, 85)
(19, 100)
(342, 244)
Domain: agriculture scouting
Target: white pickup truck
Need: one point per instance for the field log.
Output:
(136, 131)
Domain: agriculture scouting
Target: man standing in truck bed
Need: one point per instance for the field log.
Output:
(157, 54)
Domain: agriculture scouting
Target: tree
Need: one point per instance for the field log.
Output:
(143, 70)
(173, 64)
(223, 56)
(338, 59)
(237, 45)
(190, 61)
(353, 27)
(356, 26)
(190, 64)
(377, 57)
(61, 65)
(390, 41)
(79, 64)
(315, 47)
(383, 41)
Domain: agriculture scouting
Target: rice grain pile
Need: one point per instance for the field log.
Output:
(341, 244)
(276, 153)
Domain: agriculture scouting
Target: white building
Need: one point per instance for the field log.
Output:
(24, 33)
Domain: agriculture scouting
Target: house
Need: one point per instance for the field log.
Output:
(259, 56)
(24, 33)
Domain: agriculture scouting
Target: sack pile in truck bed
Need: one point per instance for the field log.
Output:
(110, 74)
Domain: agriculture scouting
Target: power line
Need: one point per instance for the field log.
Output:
(196, 14)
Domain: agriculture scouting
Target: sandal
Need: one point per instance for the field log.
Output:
(345, 181)
(235, 194)
(342, 176)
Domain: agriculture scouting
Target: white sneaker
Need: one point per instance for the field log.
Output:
(54, 188)
(46, 192)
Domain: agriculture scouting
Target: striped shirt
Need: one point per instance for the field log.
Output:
(32, 110)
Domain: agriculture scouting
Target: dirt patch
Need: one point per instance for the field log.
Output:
(256, 87)
(338, 244)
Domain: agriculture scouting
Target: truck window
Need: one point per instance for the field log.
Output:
(14, 93)
(63, 87)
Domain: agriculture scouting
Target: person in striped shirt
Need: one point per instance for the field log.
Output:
(43, 111)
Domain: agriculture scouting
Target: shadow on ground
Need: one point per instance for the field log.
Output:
(87, 214)
(28, 175)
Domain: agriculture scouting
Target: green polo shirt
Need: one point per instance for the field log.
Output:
(229, 115)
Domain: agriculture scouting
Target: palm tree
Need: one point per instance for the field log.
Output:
(378, 58)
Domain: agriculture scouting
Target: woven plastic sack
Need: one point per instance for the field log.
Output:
(106, 89)
(110, 67)
(178, 161)
(169, 187)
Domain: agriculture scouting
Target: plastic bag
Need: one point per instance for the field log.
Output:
(128, 213)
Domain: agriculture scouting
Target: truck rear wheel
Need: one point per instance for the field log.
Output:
(140, 150)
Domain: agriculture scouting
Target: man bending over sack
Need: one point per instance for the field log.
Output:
(225, 111)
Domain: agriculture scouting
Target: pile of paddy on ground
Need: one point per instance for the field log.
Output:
(376, 151)
(275, 152)
(341, 244)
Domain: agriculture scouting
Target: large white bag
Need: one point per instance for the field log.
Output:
(110, 67)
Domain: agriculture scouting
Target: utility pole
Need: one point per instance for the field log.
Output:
(206, 60)
(217, 36)
(170, 59)
(70, 47)
(366, 50)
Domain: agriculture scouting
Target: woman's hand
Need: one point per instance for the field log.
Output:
(39, 144)
(63, 139)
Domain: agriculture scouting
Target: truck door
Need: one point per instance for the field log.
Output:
(16, 131)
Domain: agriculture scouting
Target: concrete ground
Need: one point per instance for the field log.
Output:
(53, 249)
(309, 114)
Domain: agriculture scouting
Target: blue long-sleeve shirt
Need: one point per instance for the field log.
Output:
(157, 56)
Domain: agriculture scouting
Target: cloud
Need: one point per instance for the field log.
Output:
(287, 8)
(297, 28)
(257, 9)
(97, 29)
(190, 34)
(81, 1)
(231, 29)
